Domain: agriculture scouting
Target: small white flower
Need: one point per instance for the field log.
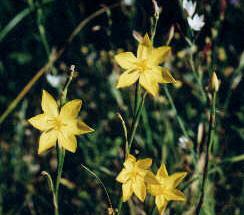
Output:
(197, 22)
(128, 2)
(184, 142)
(190, 7)
(55, 80)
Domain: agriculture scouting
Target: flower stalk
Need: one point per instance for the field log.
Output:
(60, 149)
(211, 130)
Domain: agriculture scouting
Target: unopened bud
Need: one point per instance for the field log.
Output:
(171, 34)
(214, 83)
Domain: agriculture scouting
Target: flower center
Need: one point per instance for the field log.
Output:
(57, 123)
(142, 65)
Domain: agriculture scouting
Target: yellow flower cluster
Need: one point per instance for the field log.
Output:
(138, 179)
(62, 126)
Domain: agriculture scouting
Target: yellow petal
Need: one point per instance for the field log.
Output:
(77, 127)
(47, 140)
(40, 122)
(70, 110)
(130, 162)
(127, 190)
(174, 194)
(150, 178)
(144, 163)
(144, 48)
(123, 176)
(177, 178)
(155, 190)
(139, 188)
(162, 75)
(167, 77)
(161, 203)
(126, 60)
(148, 82)
(162, 171)
(159, 54)
(128, 78)
(67, 141)
(49, 105)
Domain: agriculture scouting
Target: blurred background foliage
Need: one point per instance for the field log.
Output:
(31, 29)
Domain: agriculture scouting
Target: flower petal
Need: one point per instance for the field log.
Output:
(150, 178)
(162, 171)
(174, 194)
(178, 177)
(49, 105)
(139, 188)
(159, 54)
(161, 203)
(127, 190)
(167, 77)
(126, 60)
(123, 176)
(40, 122)
(127, 78)
(144, 48)
(47, 140)
(68, 142)
(149, 83)
(144, 163)
(155, 190)
(130, 162)
(162, 75)
(70, 110)
(77, 127)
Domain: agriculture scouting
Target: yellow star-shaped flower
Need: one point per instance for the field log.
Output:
(134, 177)
(58, 126)
(166, 189)
(145, 67)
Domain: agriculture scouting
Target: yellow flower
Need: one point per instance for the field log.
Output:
(134, 177)
(59, 126)
(145, 67)
(166, 189)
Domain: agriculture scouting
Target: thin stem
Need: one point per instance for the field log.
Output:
(137, 98)
(197, 77)
(181, 124)
(179, 120)
(61, 155)
(136, 121)
(209, 141)
(101, 184)
(61, 150)
(120, 206)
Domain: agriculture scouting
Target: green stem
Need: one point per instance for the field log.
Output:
(181, 124)
(61, 150)
(120, 206)
(61, 155)
(136, 121)
(179, 120)
(137, 98)
(198, 78)
(209, 141)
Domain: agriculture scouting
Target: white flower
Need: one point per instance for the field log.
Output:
(190, 7)
(128, 2)
(55, 80)
(197, 22)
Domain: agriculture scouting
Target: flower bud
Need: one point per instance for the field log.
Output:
(214, 83)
